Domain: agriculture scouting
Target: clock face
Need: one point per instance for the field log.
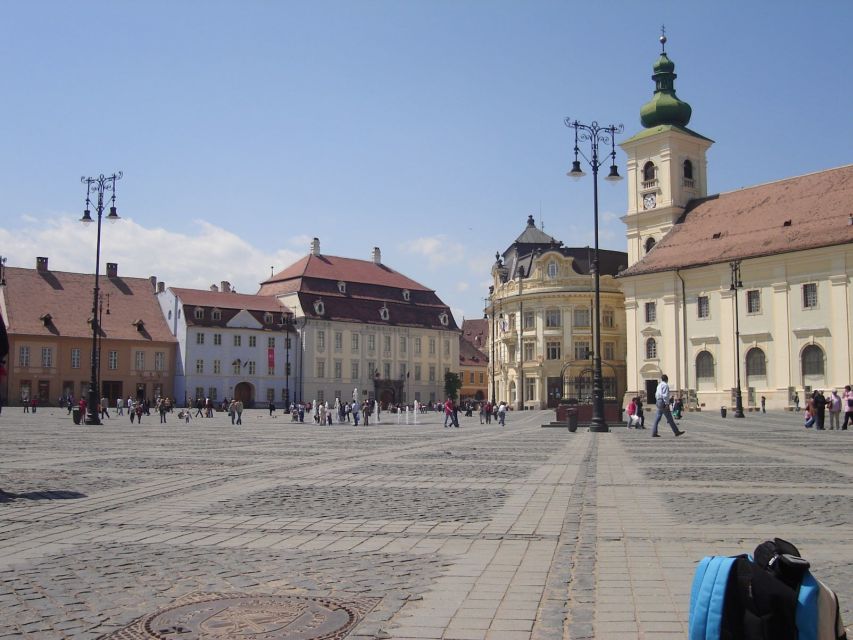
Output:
(649, 201)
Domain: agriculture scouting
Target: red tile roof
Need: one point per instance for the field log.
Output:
(476, 332)
(221, 300)
(470, 355)
(805, 212)
(345, 269)
(67, 298)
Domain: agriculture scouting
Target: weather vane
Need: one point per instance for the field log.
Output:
(662, 38)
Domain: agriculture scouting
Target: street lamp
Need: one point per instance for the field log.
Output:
(98, 186)
(735, 285)
(595, 134)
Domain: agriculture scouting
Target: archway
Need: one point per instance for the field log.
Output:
(386, 397)
(245, 393)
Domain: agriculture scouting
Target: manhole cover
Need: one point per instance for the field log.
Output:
(250, 617)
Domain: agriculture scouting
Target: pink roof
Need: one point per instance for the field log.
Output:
(31, 295)
(804, 212)
(345, 269)
(222, 300)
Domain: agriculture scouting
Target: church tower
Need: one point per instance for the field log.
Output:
(667, 165)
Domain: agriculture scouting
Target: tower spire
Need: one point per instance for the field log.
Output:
(664, 107)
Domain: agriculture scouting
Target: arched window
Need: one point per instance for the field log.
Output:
(812, 361)
(649, 171)
(704, 366)
(216, 314)
(650, 243)
(552, 269)
(651, 349)
(199, 313)
(688, 170)
(756, 365)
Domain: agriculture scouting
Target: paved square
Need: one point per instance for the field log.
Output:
(478, 533)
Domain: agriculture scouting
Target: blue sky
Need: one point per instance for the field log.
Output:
(429, 129)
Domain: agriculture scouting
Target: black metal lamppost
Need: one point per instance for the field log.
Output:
(735, 285)
(97, 186)
(595, 134)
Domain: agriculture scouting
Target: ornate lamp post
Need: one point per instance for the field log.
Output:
(97, 186)
(595, 135)
(735, 285)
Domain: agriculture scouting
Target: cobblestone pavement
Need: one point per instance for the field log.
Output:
(478, 533)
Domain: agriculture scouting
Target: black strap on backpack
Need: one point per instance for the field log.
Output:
(761, 598)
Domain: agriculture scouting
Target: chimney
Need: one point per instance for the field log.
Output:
(315, 247)
(112, 270)
(214, 288)
(153, 281)
(41, 265)
(161, 287)
(225, 286)
(377, 255)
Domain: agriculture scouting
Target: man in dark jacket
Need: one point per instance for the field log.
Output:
(820, 407)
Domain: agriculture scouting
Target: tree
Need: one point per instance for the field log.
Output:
(452, 384)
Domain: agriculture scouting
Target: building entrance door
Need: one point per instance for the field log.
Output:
(112, 390)
(651, 387)
(245, 393)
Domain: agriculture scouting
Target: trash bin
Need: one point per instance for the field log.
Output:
(572, 418)
(75, 415)
(722, 412)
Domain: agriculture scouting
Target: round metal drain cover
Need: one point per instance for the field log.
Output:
(250, 617)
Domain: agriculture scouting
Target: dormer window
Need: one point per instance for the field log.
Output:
(384, 313)
(319, 307)
(650, 175)
(46, 319)
(198, 314)
(216, 314)
(443, 318)
(552, 269)
(407, 295)
(267, 318)
(140, 325)
(342, 286)
(650, 243)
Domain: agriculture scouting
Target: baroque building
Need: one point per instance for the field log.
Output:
(365, 331)
(49, 323)
(230, 345)
(752, 285)
(540, 312)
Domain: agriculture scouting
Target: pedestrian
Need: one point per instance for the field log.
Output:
(271, 408)
(487, 412)
(662, 398)
(763, 404)
(131, 409)
(448, 413)
(819, 404)
(848, 406)
(105, 405)
(796, 401)
(162, 408)
(198, 406)
(365, 411)
(834, 403)
(631, 412)
(232, 411)
(354, 413)
(502, 413)
(138, 409)
(239, 409)
(25, 400)
(808, 417)
(120, 407)
(34, 403)
(455, 415)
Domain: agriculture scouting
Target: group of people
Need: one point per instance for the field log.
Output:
(351, 412)
(818, 405)
(497, 411)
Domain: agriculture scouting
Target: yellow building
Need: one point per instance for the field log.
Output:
(540, 312)
(750, 286)
(474, 360)
(48, 316)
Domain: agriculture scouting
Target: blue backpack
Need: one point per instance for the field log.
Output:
(768, 596)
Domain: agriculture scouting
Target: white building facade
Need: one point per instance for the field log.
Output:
(230, 345)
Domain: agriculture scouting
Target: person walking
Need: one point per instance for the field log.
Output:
(162, 407)
(502, 413)
(271, 408)
(120, 406)
(105, 405)
(239, 409)
(448, 413)
(847, 401)
(796, 401)
(834, 410)
(763, 404)
(662, 397)
(232, 411)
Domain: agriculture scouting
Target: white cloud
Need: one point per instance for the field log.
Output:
(438, 250)
(210, 255)
(462, 286)
(302, 241)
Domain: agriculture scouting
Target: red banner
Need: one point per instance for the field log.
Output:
(271, 357)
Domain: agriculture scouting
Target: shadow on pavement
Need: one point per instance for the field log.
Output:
(7, 496)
